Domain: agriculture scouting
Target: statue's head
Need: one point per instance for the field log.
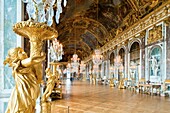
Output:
(15, 54)
(48, 71)
(18, 53)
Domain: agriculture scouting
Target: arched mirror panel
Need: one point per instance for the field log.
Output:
(155, 64)
(134, 61)
(112, 68)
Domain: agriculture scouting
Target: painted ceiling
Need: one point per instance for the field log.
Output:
(89, 24)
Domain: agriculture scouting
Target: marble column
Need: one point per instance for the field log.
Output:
(126, 61)
(128, 65)
(146, 57)
(164, 53)
(142, 57)
(102, 70)
(168, 51)
(107, 69)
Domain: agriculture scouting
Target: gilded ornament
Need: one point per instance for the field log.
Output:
(52, 81)
(27, 72)
(155, 34)
(26, 90)
(37, 33)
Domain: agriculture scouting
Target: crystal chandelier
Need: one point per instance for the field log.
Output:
(56, 50)
(43, 10)
(118, 61)
(75, 61)
(112, 69)
(75, 58)
(97, 57)
(82, 66)
(121, 68)
(133, 66)
(95, 68)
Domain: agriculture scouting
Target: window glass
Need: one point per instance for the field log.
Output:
(10, 40)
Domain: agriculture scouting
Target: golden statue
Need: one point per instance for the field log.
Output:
(111, 83)
(36, 33)
(94, 78)
(91, 78)
(27, 72)
(26, 90)
(52, 80)
(121, 82)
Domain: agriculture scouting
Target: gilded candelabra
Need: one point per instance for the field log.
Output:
(37, 33)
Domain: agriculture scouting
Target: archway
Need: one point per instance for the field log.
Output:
(134, 61)
(121, 66)
(112, 68)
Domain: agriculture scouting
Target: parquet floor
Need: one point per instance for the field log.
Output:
(82, 97)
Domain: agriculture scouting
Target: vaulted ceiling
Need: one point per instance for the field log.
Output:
(88, 24)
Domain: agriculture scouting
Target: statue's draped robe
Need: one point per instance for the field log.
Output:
(26, 90)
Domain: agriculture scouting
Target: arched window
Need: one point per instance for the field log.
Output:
(8, 17)
(10, 14)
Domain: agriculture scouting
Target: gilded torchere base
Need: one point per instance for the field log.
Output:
(45, 107)
(28, 29)
(37, 33)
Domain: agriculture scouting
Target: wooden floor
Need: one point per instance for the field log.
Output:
(83, 97)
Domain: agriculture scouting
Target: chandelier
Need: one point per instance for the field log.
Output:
(133, 67)
(95, 68)
(56, 50)
(68, 65)
(75, 61)
(118, 61)
(43, 10)
(82, 66)
(75, 58)
(112, 69)
(97, 57)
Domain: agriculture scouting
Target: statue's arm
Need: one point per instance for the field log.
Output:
(32, 60)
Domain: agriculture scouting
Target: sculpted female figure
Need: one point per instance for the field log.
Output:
(26, 90)
(52, 80)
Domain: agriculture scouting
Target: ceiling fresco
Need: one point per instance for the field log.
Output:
(92, 23)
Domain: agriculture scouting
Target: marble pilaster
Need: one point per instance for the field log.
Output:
(168, 51)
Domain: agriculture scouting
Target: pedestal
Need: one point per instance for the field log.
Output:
(46, 107)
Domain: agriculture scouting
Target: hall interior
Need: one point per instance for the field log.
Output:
(82, 97)
(87, 56)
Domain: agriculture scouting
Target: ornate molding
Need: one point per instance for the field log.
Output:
(158, 15)
(155, 34)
